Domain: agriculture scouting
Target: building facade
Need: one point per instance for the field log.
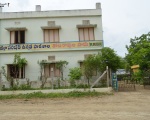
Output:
(69, 35)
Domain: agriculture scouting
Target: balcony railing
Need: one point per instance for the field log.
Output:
(61, 46)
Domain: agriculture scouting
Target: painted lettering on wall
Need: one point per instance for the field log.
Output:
(48, 46)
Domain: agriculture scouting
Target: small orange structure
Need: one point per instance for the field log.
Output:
(135, 68)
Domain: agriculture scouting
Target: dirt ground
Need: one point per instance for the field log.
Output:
(120, 106)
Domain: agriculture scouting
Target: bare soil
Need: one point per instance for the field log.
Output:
(120, 106)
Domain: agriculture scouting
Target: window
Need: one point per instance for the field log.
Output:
(17, 37)
(51, 35)
(51, 70)
(86, 34)
(15, 71)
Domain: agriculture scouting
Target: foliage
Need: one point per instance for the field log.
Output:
(108, 57)
(82, 86)
(60, 65)
(73, 94)
(139, 51)
(123, 77)
(8, 78)
(43, 78)
(18, 61)
(146, 77)
(3, 71)
(137, 77)
(103, 83)
(25, 87)
(16, 87)
(43, 81)
(90, 65)
(75, 73)
(41, 64)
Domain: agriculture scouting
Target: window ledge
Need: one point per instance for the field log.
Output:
(51, 27)
(50, 62)
(86, 26)
(16, 28)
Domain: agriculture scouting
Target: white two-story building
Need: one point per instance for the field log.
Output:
(56, 35)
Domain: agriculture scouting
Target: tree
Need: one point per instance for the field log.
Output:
(17, 62)
(60, 65)
(43, 78)
(89, 66)
(139, 51)
(8, 78)
(108, 57)
(98, 62)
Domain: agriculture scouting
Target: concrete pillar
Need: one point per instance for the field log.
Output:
(107, 76)
(38, 8)
(98, 5)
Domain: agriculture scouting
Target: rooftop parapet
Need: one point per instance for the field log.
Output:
(53, 13)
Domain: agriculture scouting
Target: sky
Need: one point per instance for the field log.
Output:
(122, 19)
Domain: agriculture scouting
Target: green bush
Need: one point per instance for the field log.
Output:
(25, 87)
(82, 86)
(103, 83)
(74, 74)
(123, 77)
(73, 94)
(16, 87)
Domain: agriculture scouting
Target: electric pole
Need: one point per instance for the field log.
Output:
(2, 5)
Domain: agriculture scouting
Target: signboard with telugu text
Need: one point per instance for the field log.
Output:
(34, 47)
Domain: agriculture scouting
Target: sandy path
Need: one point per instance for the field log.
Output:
(120, 106)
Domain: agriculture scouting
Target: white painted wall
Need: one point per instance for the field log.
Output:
(32, 68)
(34, 34)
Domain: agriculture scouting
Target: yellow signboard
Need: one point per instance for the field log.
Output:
(48, 46)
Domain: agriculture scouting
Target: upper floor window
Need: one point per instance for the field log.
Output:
(51, 32)
(17, 34)
(17, 37)
(86, 30)
(86, 34)
(51, 35)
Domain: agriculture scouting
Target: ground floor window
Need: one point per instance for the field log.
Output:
(51, 70)
(16, 72)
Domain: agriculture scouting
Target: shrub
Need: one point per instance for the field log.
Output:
(25, 87)
(73, 94)
(74, 74)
